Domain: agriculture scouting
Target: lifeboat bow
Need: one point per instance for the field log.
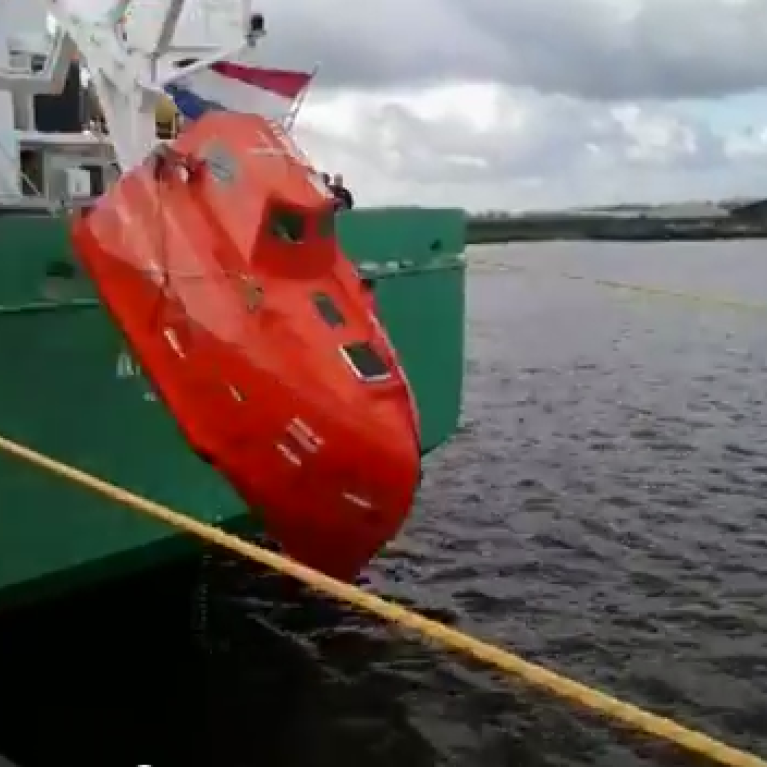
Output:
(218, 259)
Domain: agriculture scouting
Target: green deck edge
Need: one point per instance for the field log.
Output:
(60, 393)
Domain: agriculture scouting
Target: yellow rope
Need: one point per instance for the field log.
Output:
(634, 287)
(537, 676)
(700, 298)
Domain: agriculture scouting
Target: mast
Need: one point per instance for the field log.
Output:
(132, 50)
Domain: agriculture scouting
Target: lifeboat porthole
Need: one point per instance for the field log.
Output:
(328, 310)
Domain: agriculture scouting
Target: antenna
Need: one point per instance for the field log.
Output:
(131, 55)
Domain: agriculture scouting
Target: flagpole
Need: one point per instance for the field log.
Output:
(292, 116)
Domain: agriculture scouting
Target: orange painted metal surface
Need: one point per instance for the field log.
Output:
(218, 260)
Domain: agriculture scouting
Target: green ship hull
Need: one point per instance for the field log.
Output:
(70, 389)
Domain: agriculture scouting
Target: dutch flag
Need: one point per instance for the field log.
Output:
(238, 87)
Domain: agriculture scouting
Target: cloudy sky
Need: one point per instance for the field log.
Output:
(509, 104)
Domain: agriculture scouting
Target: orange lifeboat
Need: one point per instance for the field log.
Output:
(218, 260)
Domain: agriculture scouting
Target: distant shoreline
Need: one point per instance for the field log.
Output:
(543, 228)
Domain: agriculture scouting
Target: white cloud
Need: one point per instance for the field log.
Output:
(535, 103)
(598, 49)
(488, 146)
(748, 144)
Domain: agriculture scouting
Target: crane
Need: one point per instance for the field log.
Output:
(133, 49)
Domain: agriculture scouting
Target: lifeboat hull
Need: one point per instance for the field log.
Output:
(219, 263)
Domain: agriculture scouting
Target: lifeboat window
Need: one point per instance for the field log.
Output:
(327, 309)
(365, 361)
(287, 225)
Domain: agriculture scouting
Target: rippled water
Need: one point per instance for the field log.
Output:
(603, 511)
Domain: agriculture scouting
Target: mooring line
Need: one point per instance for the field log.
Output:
(698, 298)
(535, 675)
(653, 291)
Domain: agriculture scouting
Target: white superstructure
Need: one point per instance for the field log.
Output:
(131, 49)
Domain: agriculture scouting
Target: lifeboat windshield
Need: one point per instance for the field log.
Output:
(290, 242)
(294, 225)
(366, 363)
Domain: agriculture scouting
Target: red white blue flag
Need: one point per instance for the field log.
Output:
(238, 87)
